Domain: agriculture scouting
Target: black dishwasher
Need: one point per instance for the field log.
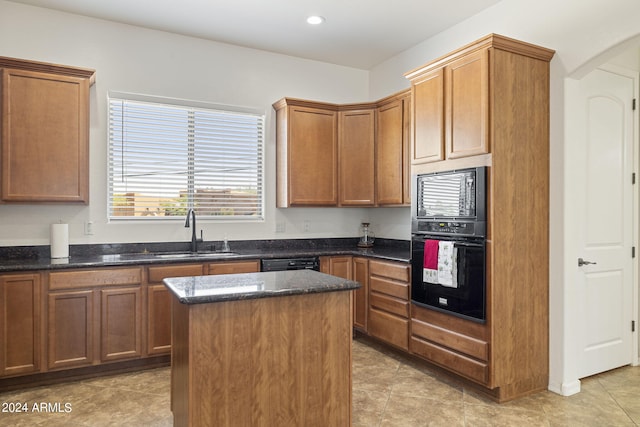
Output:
(282, 264)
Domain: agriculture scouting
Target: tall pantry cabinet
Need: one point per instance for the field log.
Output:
(487, 104)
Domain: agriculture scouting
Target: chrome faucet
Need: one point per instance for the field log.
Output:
(191, 215)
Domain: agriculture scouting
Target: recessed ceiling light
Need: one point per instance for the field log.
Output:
(315, 20)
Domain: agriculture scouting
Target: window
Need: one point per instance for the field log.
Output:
(166, 156)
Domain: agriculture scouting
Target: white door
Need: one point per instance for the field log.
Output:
(604, 192)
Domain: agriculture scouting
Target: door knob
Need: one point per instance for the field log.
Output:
(582, 262)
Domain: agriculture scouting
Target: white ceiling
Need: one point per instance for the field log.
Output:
(357, 33)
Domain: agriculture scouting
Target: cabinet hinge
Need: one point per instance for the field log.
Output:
(633, 251)
(633, 104)
(633, 326)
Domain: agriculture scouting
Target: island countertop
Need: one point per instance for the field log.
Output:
(230, 287)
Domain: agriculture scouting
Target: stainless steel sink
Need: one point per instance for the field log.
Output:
(194, 255)
(167, 255)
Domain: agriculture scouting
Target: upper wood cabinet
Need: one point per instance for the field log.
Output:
(307, 154)
(392, 150)
(466, 103)
(357, 157)
(343, 155)
(427, 140)
(45, 132)
(451, 108)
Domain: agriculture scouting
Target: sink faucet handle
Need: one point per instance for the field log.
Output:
(201, 236)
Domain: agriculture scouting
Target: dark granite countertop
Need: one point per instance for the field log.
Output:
(230, 287)
(33, 258)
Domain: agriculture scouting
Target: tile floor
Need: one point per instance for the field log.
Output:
(388, 390)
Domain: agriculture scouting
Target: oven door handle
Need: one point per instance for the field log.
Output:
(468, 244)
(422, 239)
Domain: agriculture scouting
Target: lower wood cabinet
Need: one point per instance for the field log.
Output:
(120, 323)
(459, 345)
(389, 285)
(381, 304)
(158, 319)
(159, 304)
(20, 331)
(70, 327)
(361, 295)
(94, 316)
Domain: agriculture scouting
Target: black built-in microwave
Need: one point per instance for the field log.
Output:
(451, 202)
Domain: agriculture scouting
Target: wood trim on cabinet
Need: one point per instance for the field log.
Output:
(491, 40)
(46, 67)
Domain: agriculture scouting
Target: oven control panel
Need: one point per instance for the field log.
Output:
(448, 227)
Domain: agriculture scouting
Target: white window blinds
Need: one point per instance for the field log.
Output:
(165, 158)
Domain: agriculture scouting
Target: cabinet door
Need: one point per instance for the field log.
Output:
(70, 329)
(361, 295)
(340, 266)
(20, 336)
(45, 137)
(121, 323)
(312, 156)
(158, 327)
(356, 157)
(406, 151)
(390, 154)
(428, 118)
(467, 105)
(159, 320)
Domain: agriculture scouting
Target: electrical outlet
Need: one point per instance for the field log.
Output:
(281, 227)
(88, 228)
(306, 226)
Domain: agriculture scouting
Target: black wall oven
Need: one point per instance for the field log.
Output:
(448, 242)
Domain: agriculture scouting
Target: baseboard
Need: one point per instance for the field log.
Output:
(565, 389)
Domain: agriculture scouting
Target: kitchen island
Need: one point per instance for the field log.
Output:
(261, 349)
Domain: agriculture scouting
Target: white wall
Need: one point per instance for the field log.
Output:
(584, 33)
(132, 59)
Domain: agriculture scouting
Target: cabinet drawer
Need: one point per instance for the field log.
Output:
(454, 340)
(456, 362)
(91, 278)
(156, 274)
(390, 328)
(234, 267)
(384, 286)
(394, 271)
(392, 305)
